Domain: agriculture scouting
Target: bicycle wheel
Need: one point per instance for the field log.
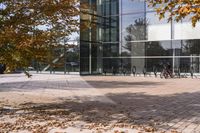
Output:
(162, 74)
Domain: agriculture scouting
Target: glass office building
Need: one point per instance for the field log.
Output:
(119, 35)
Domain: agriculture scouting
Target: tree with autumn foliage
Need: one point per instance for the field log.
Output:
(28, 28)
(178, 9)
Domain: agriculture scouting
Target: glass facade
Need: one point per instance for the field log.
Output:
(119, 35)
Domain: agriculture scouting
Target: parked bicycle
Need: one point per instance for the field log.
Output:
(166, 72)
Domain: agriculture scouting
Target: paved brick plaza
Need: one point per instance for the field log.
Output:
(101, 103)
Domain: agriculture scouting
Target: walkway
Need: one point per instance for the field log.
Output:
(98, 104)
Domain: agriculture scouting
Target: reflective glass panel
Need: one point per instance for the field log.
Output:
(157, 29)
(131, 6)
(133, 27)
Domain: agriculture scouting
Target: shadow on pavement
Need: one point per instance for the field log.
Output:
(130, 108)
(65, 85)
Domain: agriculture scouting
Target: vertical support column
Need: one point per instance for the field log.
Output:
(145, 34)
(51, 52)
(37, 63)
(199, 63)
(65, 57)
(173, 49)
(120, 32)
(191, 62)
(90, 55)
(90, 40)
(99, 37)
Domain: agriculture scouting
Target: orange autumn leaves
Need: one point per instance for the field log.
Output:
(29, 27)
(178, 9)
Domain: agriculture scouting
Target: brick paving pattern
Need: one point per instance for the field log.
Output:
(166, 104)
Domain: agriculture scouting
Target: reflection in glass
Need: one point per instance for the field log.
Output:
(187, 64)
(184, 30)
(111, 65)
(133, 27)
(125, 34)
(157, 30)
(131, 6)
(110, 50)
(191, 47)
(158, 48)
(187, 47)
(147, 49)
